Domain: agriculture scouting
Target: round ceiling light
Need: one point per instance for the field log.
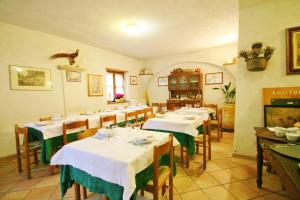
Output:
(133, 29)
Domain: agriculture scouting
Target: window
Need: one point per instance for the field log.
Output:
(114, 84)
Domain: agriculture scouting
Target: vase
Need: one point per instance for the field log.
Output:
(257, 64)
(228, 114)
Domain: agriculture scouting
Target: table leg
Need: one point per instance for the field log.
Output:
(259, 163)
(77, 191)
(187, 158)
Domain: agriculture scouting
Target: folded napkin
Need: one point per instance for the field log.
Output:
(100, 135)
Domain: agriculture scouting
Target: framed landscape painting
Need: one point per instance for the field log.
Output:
(29, 78)
(283, 116)
(293, 50)
(95, 85)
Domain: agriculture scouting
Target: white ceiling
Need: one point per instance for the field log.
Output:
(170, 26)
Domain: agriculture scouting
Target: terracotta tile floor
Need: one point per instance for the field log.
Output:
(225, 178)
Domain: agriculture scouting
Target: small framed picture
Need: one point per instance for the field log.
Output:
(214, 78)
(73, 76)
(133, 80)
(293, 50)
(163, 81)
(95, 85)
(30, 78)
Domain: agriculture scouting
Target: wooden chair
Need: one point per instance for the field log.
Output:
(129, 116)
(141, 114)
(87, 133)
(48, 118)
(109, 118)
(161, 107)
(216, 122)
(25, 150)
(150, 116)
(204, 140)
(149, 110)
(74, 125)
(161, 174)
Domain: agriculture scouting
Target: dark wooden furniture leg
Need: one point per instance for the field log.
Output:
(259, 163)
(77, 191)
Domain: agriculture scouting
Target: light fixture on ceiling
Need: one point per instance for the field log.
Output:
(133, 29)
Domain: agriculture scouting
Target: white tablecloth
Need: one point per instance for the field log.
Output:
(176, 122)
(55, 128)
(114, 160)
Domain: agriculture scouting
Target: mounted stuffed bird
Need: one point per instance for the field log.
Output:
(71, 56)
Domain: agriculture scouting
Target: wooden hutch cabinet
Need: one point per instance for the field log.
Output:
(185, 87)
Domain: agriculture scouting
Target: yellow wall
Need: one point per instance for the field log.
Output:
(26, 47)
(264, 21)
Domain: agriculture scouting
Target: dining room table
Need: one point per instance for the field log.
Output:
(117, 164)
(184, 126)
(50, 133)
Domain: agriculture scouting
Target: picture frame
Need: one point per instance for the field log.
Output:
(95, 85)
(29, 78)
(293, 50)
(73, 76)
(214, 78)
(133, 80)
(162, 81)
(281, 115)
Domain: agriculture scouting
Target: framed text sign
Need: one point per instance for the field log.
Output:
(280, 93)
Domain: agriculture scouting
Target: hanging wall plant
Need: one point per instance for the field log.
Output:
(257, 58)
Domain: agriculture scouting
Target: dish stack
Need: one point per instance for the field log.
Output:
(291, 134)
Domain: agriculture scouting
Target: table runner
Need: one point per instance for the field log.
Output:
(110, 159)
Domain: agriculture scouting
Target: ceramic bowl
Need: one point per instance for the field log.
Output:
(292, 137)
(280, 131)
(292, 130)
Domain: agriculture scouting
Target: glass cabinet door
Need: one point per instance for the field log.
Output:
(194, 82)
(183, 83)
(173, 83)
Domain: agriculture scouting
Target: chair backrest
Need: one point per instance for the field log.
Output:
(206, 127)
(129, 115)
(150, 116)
(87, 133)
(141, 112)
(21, 131)
(149, 110)
(158, 151)
(219, 116)
(214, 107)
(109, 118)
(48, 118)
(74, 125)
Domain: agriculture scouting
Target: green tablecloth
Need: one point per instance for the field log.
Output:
(49, 145)
(185, 140)
(52, 144)
(69, 174)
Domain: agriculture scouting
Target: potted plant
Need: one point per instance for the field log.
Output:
(257, 58)
(228, 111)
